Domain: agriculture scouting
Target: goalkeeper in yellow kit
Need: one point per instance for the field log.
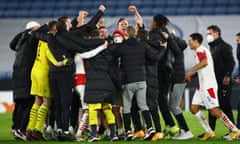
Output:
(40, 87)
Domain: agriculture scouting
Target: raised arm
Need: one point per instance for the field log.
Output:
(91, 24)
(138, 17)
(97, 16)
(81, 18)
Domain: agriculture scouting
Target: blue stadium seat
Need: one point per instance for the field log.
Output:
(73, 4)
(121, 12)
(37, 5)
(161, 3)
(61, 4)
(22, 13)
(92, 12)
(122, 4)
(85, 5)
(234, 2)
(148, 4)
(185, 3)
(170, 11)
(196, 3)
(147, 11)
(195, 10)
(159, 10)
(183, 11)
(96, 3)
(12, 5)
(25, 5)
(223, 2)
(233, 10)
(46, 13)
(33, 13)
(3, 6)
(109, 11)
(110, 4)
(173, 3)
(49, 5)
(58, 13)
(21, 8)
(71, 12)
(9, 13)
(207, 10)
(137, 3)
(220, 10)
(209, 3)
(1, 14)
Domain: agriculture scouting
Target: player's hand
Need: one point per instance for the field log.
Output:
(132, 9)
(226, 80)
(238, 80)
(102, 8)
(105, 45)
(188, 77)
(101, 22)
(60, 64)
(83, 13)
(165, 35)
(172, 31)
(163, 44)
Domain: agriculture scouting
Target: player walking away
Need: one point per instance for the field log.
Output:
(206, 92)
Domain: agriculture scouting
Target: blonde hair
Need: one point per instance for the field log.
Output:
(131, 31)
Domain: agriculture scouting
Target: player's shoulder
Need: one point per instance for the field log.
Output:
(202, 49)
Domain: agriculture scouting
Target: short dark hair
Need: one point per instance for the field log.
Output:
(61, 26)
(238, 34)
(121, 19)
(94, 34)
(63, 18)
(160, 20)
(61, 23)
(197, 36)
(102, 27)
(215, 28)
(142, 34)
(51, 24)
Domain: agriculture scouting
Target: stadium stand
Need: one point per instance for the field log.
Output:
(54, 8)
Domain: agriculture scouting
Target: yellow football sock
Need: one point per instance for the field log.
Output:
(42, 113)
(32, 117)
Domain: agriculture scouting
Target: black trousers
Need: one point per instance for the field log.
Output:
(51, 114)
(21, 112)
(224, 97)
(75, 110)
(164, 83)
(61, 86)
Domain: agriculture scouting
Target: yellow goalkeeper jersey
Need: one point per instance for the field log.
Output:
(40, 70)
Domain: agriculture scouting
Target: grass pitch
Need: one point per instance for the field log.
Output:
(6, 137)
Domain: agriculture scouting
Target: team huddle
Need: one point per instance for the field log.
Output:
(72, 81)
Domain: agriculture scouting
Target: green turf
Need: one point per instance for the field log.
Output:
(6, 138)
